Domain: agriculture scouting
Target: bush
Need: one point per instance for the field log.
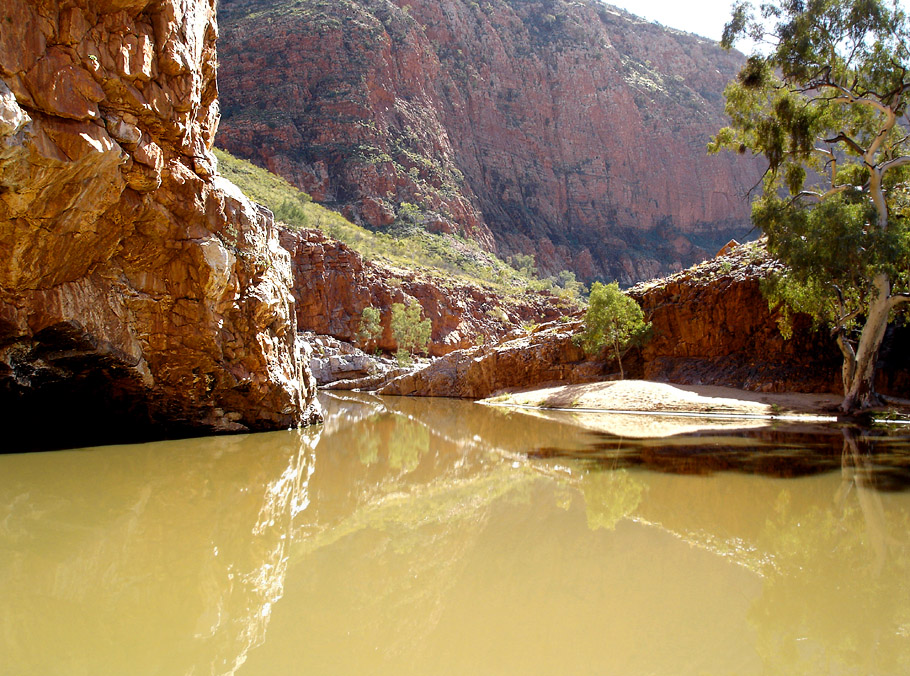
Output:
(370, 326)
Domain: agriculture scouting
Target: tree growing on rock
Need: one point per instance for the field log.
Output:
(826, 108)
(613, 319)
(411, 332)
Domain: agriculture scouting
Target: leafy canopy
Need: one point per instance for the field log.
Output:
(826, 108)
(411, 333)
(613, 319)
(370, 325)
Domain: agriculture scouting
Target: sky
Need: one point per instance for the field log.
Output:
(704, 17)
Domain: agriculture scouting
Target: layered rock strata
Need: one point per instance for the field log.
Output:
(333, 285)
(547, 355)
(138, 291)
(568, 130)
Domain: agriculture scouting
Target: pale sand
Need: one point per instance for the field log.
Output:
(647, 396)
(675, 409)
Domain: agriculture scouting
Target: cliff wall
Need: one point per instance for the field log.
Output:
(333, 285)
(710, 326)
(138, 291)
(567, 130)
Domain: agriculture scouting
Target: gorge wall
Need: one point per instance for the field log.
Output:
(568, 130)
(333, 285)
(711, 325)
(138, 290)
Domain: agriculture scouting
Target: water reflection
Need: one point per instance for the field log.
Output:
(412, 537)
(164, 558)
(778, 450)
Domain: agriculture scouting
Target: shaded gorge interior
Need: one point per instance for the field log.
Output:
(409, 536)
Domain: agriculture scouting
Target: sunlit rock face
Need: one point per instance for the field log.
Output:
(333, 284)
(568, 130)
(134, 283)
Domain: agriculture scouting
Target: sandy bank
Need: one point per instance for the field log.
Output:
(646, 396)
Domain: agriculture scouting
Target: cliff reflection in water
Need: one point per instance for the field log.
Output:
(163, 558)
(450, 538)
(410, 537)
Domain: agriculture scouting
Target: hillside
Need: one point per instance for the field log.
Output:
(571, 131)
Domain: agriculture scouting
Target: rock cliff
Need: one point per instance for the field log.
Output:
(333, 284)
(568, 130)
(138, 290)
(710, 325)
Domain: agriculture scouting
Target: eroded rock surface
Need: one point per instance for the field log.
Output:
(138, 290)
(568, 130)
(712, 325)
(333, 284)
(547, 355)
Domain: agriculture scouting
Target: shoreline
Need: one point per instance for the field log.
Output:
(643, 397)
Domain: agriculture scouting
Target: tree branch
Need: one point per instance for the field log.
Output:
(856, 147)
(898, 298)
(896, 162)
(821, 196)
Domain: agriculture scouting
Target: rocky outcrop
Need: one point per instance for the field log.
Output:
(547, 355)
(568, 130)
(336, 364)
(711, 325)
(138, 291)
(333, 284)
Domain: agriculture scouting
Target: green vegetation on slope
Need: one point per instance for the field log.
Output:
(404, 244)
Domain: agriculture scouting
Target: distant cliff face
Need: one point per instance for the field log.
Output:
(333, 285)
(569, 130)
(138, 291)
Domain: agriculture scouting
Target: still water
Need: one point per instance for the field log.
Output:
(414, 537)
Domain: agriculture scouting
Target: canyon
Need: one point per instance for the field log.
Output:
(143, 295)
(570, 131)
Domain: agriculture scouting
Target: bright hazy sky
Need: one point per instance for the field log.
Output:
(702, 17)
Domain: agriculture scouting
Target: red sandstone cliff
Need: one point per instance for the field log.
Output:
(333, 284)
(138, 291)
(569, 130)
(710, 325)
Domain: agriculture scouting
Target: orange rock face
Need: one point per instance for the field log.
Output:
(545, 356)
(138, 291)
(567, 130)
(710, 325)
(333, 284)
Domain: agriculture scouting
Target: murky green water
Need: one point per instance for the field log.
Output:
(410, 537)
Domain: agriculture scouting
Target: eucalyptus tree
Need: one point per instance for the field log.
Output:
(613, 319)
(826, 104)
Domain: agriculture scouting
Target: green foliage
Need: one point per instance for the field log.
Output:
(524, 263)
(411, 333)
(370, 326)
(825, 108)
(566, 286)
(613, 319)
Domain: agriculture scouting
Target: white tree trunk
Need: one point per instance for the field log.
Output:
(860, 390)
